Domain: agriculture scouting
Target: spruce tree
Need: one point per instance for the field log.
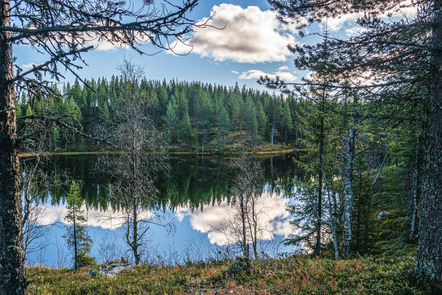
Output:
(77, 238)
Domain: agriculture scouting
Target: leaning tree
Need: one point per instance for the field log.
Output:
(61, 31)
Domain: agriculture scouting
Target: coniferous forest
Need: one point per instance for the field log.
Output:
(191, 115)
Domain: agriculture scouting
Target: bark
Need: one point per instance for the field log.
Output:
(75, 241)
(255, 229)
(429, 256)
(12, 273)
(332, 214)
(358, 218)
(348, 187)
(333, 226)
(317, 250)
(136, 253)
(415, 192)
(244, 231)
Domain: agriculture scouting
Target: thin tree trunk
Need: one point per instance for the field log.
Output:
(415, 192)
(348, 187)
(75, 240)
(317, 250)
(332, 213)
(429, 255)
(255, 228)
(333, 227)
(12, 273)
(358, 218)
(135, 234)
(244, 233)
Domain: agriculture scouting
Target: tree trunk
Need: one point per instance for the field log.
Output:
(317, 250)
(75, 239)
(348, 187)
(12, 273)
(415, 192)
(331, 212)
(358, 217)
(255, 229)
(135, 234)
(244, 230)
(429, 255)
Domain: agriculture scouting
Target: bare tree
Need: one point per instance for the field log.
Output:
(246, 191)
(34, 179)
(62, 31)
(138, 160)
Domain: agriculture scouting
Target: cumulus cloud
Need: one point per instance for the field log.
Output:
(282, 73)
(220, 222)
(245, 35)
(108, 219)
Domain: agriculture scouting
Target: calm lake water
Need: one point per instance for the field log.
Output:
(194, 200)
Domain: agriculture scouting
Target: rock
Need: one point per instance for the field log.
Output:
(110, 270)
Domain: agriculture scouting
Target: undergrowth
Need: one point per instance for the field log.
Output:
(293, 275)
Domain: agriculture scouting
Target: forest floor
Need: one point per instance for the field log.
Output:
(291, 275)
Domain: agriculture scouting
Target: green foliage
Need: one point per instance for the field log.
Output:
(77, 238)
(214, 111)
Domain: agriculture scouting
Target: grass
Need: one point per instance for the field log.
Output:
(292, 275)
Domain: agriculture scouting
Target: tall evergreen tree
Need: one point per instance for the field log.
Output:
(76, 236)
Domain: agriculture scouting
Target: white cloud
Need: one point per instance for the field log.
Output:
(283, 68)
(219, 221)
(405, 8)
(242, 35)
(102, 45)
(29, 66)
(335, 24)
(282, 73)
(108, 219)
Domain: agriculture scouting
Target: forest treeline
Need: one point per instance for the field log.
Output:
(190, 115)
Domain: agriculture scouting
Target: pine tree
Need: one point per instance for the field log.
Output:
(262, 119)
(77, 238)
(186, 130)
(171, 120)
(223, 125)
(286, 121)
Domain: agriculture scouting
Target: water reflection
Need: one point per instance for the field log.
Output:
(219, 221)
(49, 214)
(196, 193)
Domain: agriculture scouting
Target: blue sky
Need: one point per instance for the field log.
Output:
(253, 43)
(218, 67)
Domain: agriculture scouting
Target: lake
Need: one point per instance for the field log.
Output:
(194, 217)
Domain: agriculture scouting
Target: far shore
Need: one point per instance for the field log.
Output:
(257, 151)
